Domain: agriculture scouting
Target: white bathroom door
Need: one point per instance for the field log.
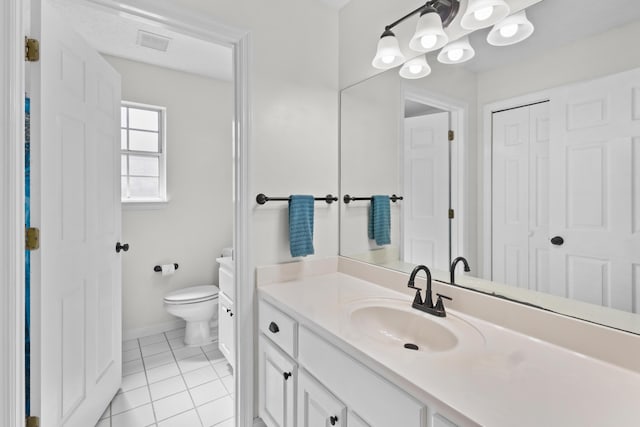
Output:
(426, 191)
(510, 202)
(76, 302)
(595, 196)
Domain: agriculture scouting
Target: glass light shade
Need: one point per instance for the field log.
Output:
(388, 54)
(483, 13)
(457, 52)
(429, 33)
(511, 30)
(415, 68)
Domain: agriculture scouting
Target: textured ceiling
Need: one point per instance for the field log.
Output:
(116, 35)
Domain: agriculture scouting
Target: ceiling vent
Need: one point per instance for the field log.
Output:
(153, 41)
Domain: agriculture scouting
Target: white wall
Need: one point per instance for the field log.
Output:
(294, 105)
(197, 222)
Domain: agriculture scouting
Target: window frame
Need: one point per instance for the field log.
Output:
(161, 154)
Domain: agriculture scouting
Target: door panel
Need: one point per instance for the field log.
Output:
(76, 305)
(426, 190)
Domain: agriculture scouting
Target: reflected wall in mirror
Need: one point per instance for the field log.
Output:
(542, 177)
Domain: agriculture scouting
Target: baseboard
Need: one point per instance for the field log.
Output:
(160, 328)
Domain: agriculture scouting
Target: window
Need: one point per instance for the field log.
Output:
(142, 146)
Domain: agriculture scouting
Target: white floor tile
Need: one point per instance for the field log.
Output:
(215, 355)
(167, 387)
(130, 345)
(193, 363)
(130, 382)
(139, 417)
(223, 369)
(207, 392)
(151, 349)
(176, 333)
(186, 419)
(105, 423)
(177, 343)
(231, 422)
(200, 376)
(186, 352)
(132, 367)
(172, 405)
(162, 372)
(159, 359)
(230, 384)
(210, 347)
(217, 411)
(129, 355)
(152, 339)
(129, 400)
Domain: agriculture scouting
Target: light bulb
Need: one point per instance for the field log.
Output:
(455, 54)
(484, 13)
(415, 68)
(428, 41)
(509, 30)
(388, 59)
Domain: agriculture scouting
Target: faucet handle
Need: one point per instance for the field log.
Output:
(418, 298)
(439, 304)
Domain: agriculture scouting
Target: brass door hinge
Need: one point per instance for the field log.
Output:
(451, 135)
(31, 50)
(452, 214)
(32, 239)
(33, 422)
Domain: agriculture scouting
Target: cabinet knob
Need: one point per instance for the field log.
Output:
(557, 240)
(121, 247)
(274, 328)
(287, 375)
(333, 420)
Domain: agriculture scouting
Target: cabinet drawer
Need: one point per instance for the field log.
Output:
(279, 327)
(379, 402)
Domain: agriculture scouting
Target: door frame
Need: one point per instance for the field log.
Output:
(12, 84)
(458, 113)
(485, 240)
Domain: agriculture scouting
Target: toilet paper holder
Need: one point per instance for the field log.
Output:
(158, 268)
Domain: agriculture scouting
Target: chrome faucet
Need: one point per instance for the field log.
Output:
(427, 305)
(452, 270)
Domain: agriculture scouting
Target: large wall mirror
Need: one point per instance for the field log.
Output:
(540, 187)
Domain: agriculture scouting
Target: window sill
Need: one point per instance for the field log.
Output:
(141, 205)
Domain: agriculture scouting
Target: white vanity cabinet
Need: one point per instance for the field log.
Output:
(306, 381)
(226, 318)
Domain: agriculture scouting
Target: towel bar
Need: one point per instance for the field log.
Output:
(261, 199)
(347, 198)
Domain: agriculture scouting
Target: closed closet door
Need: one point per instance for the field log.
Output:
(595, 167)
(520, 187)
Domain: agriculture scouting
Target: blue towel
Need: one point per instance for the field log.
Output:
(380, 220)
(301, 225)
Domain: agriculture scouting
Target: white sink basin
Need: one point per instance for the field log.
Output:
(395, 323)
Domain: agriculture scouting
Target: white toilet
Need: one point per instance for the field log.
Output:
(197, 305)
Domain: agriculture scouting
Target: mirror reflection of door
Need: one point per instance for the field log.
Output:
(425, 235)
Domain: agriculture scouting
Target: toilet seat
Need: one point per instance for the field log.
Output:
(192, 294)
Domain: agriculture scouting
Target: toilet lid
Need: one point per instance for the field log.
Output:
(191, 294)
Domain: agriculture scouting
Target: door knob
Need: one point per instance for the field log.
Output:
(121, 247)
(557, 240)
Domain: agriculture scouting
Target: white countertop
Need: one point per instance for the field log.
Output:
(509, 380)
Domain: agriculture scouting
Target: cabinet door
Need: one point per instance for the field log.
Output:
(316, 405)
(440, 421)
(226, 322)
(355, 421)
(277, 386)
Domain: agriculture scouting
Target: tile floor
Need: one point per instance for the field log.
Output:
(166, 384)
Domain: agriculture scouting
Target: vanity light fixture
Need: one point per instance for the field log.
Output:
(457, 52)
(415, 68)
(435, 16)
(513, 29)
(484, 13)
